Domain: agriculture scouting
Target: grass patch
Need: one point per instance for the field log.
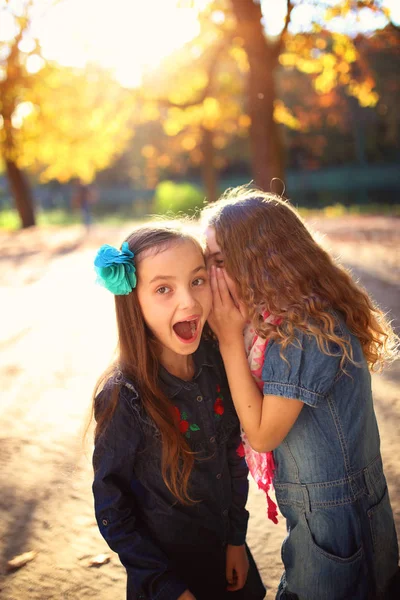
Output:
(177, 198)
(9, 219)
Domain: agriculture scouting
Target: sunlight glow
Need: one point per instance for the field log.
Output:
(307, 11)
(27, 44)
(274, 13)
(363, 20)
(131, 37)
(8, 27)
(34, 63)
(22, 111)
(125, 36)
(394, 7)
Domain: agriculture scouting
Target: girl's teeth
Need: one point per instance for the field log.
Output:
(193, 327)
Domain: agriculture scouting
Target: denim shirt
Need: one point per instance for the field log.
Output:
(329, 478)
(136, 513)
(336, 433)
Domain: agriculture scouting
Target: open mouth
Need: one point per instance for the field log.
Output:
(187, 330)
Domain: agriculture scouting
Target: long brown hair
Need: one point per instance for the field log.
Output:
(279, 267)
(137, 359)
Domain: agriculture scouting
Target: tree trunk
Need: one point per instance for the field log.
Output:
(209, 172)
(265, 143)
(358, 126)
(22, 194)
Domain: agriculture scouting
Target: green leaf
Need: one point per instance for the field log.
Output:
(187, 434)
(194, 427)
(184, 416)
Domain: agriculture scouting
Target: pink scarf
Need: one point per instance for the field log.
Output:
(261, 464)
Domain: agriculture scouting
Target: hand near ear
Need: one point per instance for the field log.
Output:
(227, 319)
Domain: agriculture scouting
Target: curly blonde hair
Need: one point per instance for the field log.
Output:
(279, 267)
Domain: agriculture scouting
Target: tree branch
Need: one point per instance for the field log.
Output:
(279, 45)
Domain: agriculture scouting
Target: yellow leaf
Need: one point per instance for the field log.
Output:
(283, 115)
(244, 121)
(329, 60)
(287, 59)
(309, 66)
(171, 127)
(148, 151)
(189, 142)
(240, 57)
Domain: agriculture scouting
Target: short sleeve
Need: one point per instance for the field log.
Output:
(303, 372)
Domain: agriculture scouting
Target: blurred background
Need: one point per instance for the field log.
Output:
(164, 104)
(114, 111)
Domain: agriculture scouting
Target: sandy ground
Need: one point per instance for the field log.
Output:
(56, 335)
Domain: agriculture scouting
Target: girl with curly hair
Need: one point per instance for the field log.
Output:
(299, 338)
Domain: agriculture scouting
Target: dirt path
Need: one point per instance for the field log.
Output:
(56, 336)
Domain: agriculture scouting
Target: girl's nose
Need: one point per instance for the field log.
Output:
(187, 299)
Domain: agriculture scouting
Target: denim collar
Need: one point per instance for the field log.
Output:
(172, 385)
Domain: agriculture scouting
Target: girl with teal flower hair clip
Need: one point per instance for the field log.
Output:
(170, 486)
(115, 269)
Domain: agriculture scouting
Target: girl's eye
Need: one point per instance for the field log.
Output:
(163, 290)
(198, 281)
(219, 262)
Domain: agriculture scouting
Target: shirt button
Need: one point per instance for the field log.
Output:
(199, 398)
(225, 513)
(105, 522)
(212, 439)
(219, 476)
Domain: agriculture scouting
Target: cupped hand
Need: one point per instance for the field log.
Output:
(227, 318)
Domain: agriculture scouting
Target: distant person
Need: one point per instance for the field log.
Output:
(83, 198)
(170, 482)
(298, 339)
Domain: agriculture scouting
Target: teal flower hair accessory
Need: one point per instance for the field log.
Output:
(115, 269)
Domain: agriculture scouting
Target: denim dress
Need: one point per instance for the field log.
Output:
(330, 485)
(167, 547)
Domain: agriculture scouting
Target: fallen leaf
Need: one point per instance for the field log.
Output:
(100, 559)
(21, 560)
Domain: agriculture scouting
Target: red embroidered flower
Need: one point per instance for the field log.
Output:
(183, 423)
(219, 406)
(183, 426)
(240, 450)
(219, 403)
